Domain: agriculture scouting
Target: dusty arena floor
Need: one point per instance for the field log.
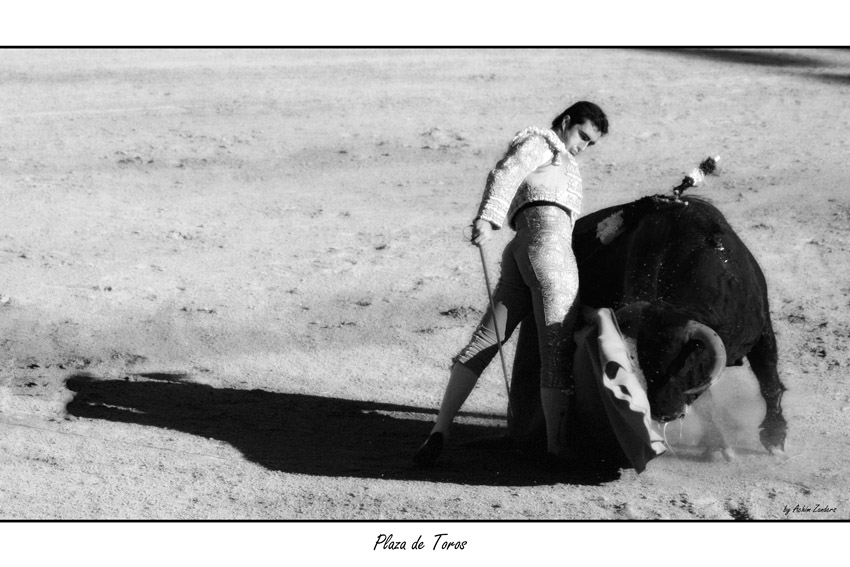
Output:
(232, 281)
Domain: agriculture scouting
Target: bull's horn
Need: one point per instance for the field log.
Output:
(629, 317)
(713, 342)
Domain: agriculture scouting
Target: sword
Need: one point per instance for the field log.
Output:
(496, 326)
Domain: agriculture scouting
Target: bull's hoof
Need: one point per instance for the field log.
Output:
(778, 452)
(773, 441)
(710, 453)
(772, 434)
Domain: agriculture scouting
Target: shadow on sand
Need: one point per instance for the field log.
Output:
(312, 435)
(794, 62)
(746, 56)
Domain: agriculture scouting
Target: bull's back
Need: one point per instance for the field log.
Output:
(689, 257)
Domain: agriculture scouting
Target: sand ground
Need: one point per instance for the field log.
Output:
(232, 281)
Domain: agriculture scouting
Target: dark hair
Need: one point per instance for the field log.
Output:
(581, 111)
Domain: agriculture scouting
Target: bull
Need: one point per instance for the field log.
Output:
(692, 295)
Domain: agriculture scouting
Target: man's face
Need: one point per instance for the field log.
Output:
(578, 137)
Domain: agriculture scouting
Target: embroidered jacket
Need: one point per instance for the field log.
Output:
(536, 167)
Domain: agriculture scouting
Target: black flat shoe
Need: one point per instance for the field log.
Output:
(567, 461)
(427, 454)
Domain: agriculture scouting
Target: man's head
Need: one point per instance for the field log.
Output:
(580, 126)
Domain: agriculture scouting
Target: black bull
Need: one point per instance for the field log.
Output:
(666, 265)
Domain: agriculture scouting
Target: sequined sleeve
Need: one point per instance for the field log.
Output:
(523, 157)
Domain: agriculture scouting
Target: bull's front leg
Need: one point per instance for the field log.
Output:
(763, 359)
(713, 438)
(774, 428)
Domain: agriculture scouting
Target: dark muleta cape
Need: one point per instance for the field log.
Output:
(610, 422)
